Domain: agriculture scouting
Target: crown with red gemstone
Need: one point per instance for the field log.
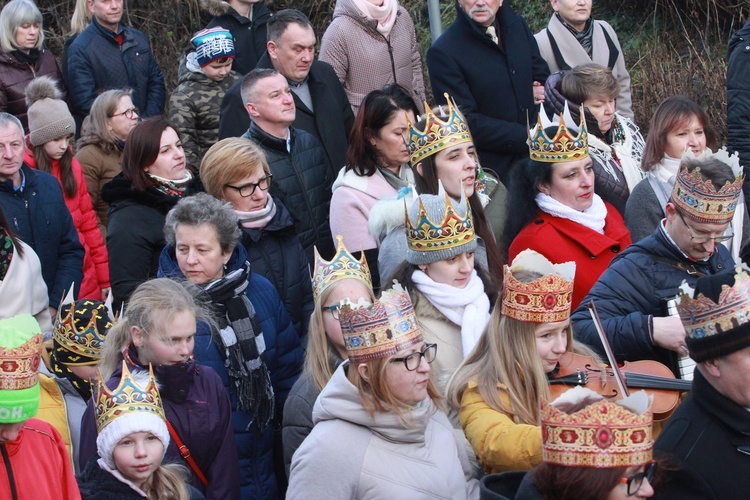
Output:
(379, 330)
(19, 366)
(601, 435)
(437, 133)
(343, 266)
(546, 299)
(565, 145)
(127, 398)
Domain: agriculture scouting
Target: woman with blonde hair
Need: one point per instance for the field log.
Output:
(80, 19)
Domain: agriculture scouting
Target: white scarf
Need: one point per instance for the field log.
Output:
(629, 151)
(384, 14)
(667, 169)
(593, 217)
(468, 307)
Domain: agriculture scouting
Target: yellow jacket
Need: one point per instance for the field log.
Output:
(52, 409)
(498, 441)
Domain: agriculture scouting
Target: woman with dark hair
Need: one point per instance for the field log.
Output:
(377, 168)
(153, 179)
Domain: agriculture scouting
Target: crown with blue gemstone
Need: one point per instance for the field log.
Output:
(454, 230)
(568, 144)
(437, 133)
(343, 266)
(127, 398)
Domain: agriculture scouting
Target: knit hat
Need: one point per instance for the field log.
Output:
(436, 229)
(48, 115)
(134, 406)
(20, 355)
(212, 44)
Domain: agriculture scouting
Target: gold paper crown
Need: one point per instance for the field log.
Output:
(544, 300)
(700, 200)
(19, 366)
(437, 134)
(83, 342)
(128, 397)
(601, 435)
(425, 235)
(564, 145)
(342, 266)
(379, 330)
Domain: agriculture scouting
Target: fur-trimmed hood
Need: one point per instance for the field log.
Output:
(215, 7)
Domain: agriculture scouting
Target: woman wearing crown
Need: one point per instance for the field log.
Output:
(378, 432)
(497, 388)
(556, 211)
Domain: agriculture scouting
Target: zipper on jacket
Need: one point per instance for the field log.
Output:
(9, 471)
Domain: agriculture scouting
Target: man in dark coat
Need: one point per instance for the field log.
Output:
(33, 204)
(633, 296)
(738, 98)
(323, 109)
(709, 434)
(109, 55)
(489, 62)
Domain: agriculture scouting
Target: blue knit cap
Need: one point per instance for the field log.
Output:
(212, 44)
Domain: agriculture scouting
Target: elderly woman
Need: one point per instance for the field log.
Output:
(376, 421)
(255, 349)
(22, 56)
(99, 152)
(236, 170)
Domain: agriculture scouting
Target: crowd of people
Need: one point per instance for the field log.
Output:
(295, 277)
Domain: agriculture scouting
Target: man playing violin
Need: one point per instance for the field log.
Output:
(633, 293)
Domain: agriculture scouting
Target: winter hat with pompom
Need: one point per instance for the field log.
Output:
(48, 115)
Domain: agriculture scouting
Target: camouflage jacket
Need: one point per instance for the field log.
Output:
(194, 109)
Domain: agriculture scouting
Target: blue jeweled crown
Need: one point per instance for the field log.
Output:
(128, 397)
(437, 134)
(343, 266)
(453, 230)
(565, 145)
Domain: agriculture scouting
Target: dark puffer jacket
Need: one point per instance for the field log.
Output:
(276, 253)
(283, 357)
(738, 99)
(302, 181)
(194, 108)
(16, 75)
(633, 290)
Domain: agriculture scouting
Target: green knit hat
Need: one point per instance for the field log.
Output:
(20, 355)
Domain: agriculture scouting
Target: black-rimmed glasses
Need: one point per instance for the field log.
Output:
(635, 481)
(248, 189)
(413, 360)
(129, 113)
(704, 238)
(335, 310)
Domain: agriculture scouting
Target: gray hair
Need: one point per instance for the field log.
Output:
(203, 208)
(14, 14)
(8, 119)
(247, 91)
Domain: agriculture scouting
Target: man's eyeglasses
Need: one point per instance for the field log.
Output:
(701, 238)
(129, 113)
(248, 189)
(413, 360)
(635, 481)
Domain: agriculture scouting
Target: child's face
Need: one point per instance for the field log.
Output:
(137, 456)
(218, 69)
(56, 149)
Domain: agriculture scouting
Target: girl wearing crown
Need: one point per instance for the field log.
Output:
(497, 388)
(344, 277)
(378, 432)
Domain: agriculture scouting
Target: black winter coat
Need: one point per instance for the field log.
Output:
(634, 289)
(330, 122)
(491, 84)
(275, 252)
(738, 99)
(39, 216)
(250, 36)
(709, 435)
(302, 182)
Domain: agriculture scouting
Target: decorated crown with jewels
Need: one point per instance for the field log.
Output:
(127, 398)
(568, 143)
(546, 299)
(19, 366)
(82, 329)
(437, 133)
(343, 266)
(379, 330)
(454, 230)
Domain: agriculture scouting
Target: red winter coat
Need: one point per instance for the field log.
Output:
(95, 260)
(562, 240)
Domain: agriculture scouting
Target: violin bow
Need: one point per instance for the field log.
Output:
(608, 350)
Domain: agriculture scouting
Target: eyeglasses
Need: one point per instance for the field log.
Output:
(248, 189)
(635, 481)
(129, 113)
(705, 238)
(335, 310)
(413, 360)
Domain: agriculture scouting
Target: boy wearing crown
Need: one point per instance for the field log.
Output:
(634, 294)
(34, 463)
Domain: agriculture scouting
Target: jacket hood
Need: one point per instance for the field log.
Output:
(215, 7)
(190, 70)
(340, 400)
(555, 102)
(388, 215)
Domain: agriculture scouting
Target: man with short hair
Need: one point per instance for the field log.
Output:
(488, 62)
(296, 158)
(322, 107)
(573, 38)
(109, 55)
(33, 204)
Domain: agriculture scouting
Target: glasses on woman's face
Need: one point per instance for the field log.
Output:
(635, 481)
(129, 113)
(413, 360)
(704, 238)
(248, 189)
(335, 310)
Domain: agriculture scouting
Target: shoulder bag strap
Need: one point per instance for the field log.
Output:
(185, 452)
